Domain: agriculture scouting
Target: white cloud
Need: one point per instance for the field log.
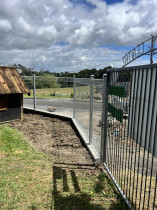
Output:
(47, 33)
(83, 58)
(43, 58)
(24, 25)
(61, 34)
(5, 26)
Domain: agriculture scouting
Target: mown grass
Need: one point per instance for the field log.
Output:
(25, 175)
(82, 92)
(30, 180)
(52, 93)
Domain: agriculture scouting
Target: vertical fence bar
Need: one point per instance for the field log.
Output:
(111, 81)
(139, 136)
(91, 108)
(74, 97)
(152, 123)
(146, 109)
(34, 91)
(134, 125)
(104, 120)
(109, 121)
(137, 147)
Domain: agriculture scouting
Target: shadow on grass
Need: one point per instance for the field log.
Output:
(77, 200)
(74, 201)
(102, 181)
(74, 180)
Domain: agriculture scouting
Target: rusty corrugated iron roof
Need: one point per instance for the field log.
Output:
(11, 81)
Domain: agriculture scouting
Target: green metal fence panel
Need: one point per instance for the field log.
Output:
(117, 91)
(118, 114)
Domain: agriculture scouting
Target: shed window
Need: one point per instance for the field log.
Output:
(3, 103)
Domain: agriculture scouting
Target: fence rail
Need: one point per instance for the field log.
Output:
(117, 117)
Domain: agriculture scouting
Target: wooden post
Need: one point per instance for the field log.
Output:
(21, 96)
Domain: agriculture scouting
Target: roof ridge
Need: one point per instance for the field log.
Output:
(13, 82)
(12, 67)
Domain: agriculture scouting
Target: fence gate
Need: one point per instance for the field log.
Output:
(131, 140)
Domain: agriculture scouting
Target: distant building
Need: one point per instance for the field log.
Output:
(12, 88)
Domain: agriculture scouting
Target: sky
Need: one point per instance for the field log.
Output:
(71, 35)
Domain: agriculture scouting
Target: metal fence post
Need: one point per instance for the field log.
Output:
(104, 120)
(91, 108)
(34, 91)
(74, 97)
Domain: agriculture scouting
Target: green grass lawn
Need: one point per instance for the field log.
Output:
(25, 175)
(82, 92)
(30, 180)
(52, 93)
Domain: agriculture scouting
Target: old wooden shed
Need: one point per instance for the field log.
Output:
(12, 88)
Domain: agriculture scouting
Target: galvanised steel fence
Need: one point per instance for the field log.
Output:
(117, 118)
(52, 94)
(88, 110)
(131, 140)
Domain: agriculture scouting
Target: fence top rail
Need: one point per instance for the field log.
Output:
(55, 77)
(49, 77)
(88, 79)
(148, 66)
(98, 80)
(82, 79)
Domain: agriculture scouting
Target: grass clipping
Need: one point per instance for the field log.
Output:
(25, 175)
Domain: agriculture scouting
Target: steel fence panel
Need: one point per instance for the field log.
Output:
(88, 109)
(97, 114)
(82, 104)
(91, 109)
(148, 104)
(132, 134)
(53, 94)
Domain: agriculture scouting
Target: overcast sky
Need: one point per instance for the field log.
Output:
(70, 35)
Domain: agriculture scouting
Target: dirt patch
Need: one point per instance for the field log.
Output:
(54, 136)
